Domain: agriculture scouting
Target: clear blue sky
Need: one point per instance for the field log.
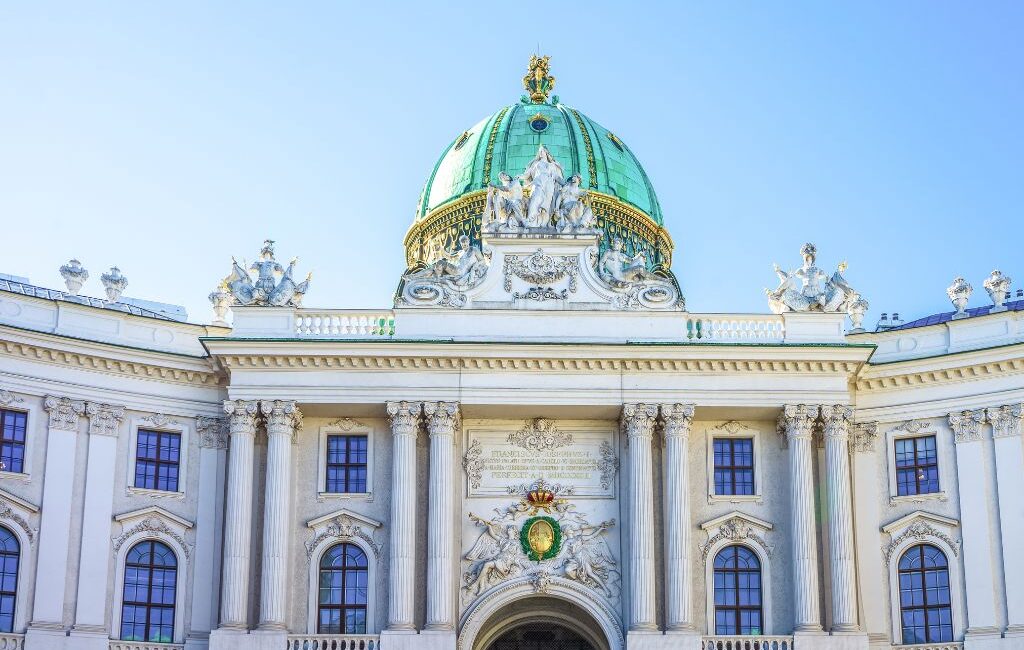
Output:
(167, 137)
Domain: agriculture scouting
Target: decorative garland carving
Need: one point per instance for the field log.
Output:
(921, 531)
(865, 434)
(7, 397)
(160, 420)
(152, 525)
(64, 412)
(966, 425)
(608, 465)
(489, 153)
(474, 464)
(540, 268)
(736, 529)
(540, 434)
(8, 514)
(347, 424)
(591, 163)
(213, 432)
(343, 528)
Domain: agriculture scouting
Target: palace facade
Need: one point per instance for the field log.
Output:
(537, 447)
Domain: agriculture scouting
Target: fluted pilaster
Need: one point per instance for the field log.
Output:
(797, 423)
(238, 514)
(442, 420)
(677, 419)
(282, 420)
(840, 520)
(405, 421)
(638, 422)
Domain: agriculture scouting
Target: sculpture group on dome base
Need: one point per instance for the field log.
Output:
(809, 288)
(275, 285)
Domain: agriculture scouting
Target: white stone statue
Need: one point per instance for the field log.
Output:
(810, 288)
(445, 280)
(959, 294)
(571, 209)
(497, 555)
(266, 291)
(621, 270)
(505, 205)
(74, 275)
(544, 177)
(587, 559)
(114, 284)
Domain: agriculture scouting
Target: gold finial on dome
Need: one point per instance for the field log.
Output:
(537, 80)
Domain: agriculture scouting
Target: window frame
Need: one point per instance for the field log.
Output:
(148, 604)
(180, 426)
(915, 444)
(918, 429)
(348, 437)
(733, 468)
(736, 609)
(342, 607)
(733, 429)
(925, 607)
(4, 411)
(759, 533)
(19, 572)
(34, 418)
(344, 427)
(319, 527)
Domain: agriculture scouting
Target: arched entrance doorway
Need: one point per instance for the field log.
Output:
(541, 623)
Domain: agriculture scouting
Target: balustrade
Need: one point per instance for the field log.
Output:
(333, 642)
(142, 645)
(753, 328)
(747, 643)
(12, 641)
(348, 323)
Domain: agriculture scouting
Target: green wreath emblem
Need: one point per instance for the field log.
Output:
(541, 538)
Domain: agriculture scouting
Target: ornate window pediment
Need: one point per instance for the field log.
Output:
(737, 526)
(17, 512)
(343, 526)
(153, 520)
(921, 526)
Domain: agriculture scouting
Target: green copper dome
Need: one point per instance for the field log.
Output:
(508, 141)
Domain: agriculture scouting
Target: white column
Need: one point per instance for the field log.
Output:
(979, 569)
(797, 422)
(866, 482)
(238, 517)
(1006, 436)
(678, 606)
(638, 422)
(840, 517)
(94, 558)
(282, 420)
(405, 420)
(213, 443)
(442, 420)
(58, 481)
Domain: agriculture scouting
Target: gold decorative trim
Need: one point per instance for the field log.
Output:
(591, 163)
(489, 154)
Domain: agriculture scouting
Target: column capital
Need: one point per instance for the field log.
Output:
(797, 421)
(242, 415)
(404, 417)
(64, 412)
(1005, 420)
(677, 419)
(837, 418)
(864, 436)
(104, 418)
(213, 432)
(281, 416)
(966, 425)
(638, 420)
(442, 417)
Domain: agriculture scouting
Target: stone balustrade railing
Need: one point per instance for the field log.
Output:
(746, 643)
(333, 642)
(143, 645)
(946, 645)
(344, 323)
(12, 641)
(726, 328)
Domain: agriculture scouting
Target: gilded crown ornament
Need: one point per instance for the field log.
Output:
(538, 82)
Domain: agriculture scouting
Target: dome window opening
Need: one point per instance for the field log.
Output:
(539, 123)
(463, 139)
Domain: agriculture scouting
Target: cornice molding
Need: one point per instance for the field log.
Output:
(957, 374)
(95, 362)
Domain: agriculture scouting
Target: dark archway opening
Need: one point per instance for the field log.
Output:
(540, 635)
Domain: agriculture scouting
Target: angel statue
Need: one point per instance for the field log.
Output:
(544, 177)
(620, 269)
(496, 555)
(505, 205)
(571, 209)
(461, 270)
(810, 288)
(587, 562)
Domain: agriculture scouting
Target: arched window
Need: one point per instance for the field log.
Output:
(925, 613)
(150, 586)
(344, 577)
(738, 592)
(10, 550)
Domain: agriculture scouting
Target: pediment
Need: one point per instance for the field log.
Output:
(19, 502)
(718, 522)
(342, 514)
(919, 515)
(153, 511)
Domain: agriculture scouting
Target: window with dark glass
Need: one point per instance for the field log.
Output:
(150, 585)
(343, 591)
(734, 465)
(917, 466)
(10, 551)
(925, 612)
(157, 460)
(12, 440)
(738, 592)
(346, 464)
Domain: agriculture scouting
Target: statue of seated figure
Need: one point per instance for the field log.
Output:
(460, 270)
(571, 208)
(619, 269)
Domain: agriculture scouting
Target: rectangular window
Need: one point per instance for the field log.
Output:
(734, 466)
(346, 464)
(157, 459)
(12, 440)
(917, 466)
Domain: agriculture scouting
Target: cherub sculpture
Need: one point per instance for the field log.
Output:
(496, 556)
